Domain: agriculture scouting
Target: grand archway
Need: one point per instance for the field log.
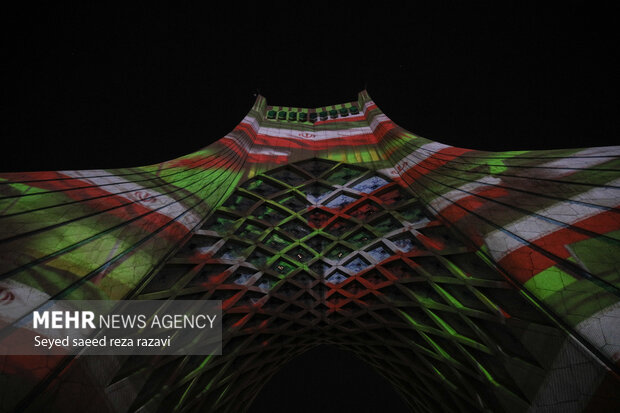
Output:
(320, 252)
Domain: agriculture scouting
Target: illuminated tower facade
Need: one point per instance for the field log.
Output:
(471, 280)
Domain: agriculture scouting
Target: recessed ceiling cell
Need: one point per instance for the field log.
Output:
(220, 223)
(344, 174)
(318, 243)
(303, 278)
(338, 252)
(316, 167)
(275, 304)
(307, 301)
(386, 224)
(340, 226)
(300, 254)
(250, 230)
(340, 201)
(269, 214)
(364, 211)
(288, 176)
(316, 192)
(357, 264)
(261, 187)
(405, 242)
(232, 250)
(297, 228)
(258, 257)
(361, 238)
(197, 245)
(287, 290)
(277, 241)
(317, 218)
(250, 298)
(354, 287)
(293, 202)
(413, 213)
(374, 277)
(241, 276)
(266, 282)
(369, 185)
(400, 269)
(392, 196)
(320, 267)
(240, 202)
(283, 267)
(336, 278)
(441, 238)
(379, 253)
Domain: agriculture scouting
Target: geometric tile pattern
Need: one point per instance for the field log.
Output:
(324, 252)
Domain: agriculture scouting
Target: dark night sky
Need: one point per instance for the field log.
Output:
(93, 87)
(102, 88)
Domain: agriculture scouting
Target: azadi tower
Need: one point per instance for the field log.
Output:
(471, 280)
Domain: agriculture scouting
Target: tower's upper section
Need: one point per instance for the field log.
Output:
(347, 124)
(327, 123)
(269, 135)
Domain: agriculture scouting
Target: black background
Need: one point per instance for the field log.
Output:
(97, 87)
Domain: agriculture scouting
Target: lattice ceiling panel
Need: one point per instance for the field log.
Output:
(321, 252)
